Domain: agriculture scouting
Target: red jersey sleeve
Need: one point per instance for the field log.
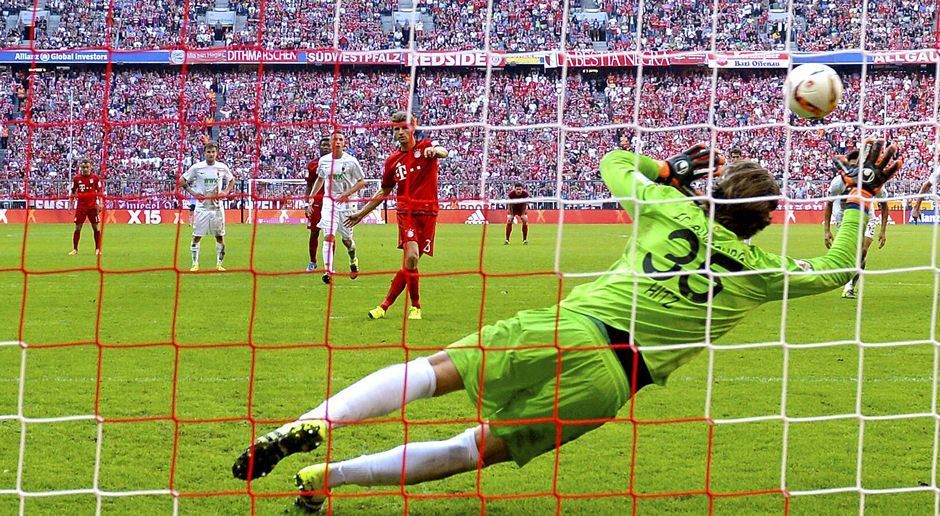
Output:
(388, 176)
(311, 171)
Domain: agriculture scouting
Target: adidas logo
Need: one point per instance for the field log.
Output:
(477, 217)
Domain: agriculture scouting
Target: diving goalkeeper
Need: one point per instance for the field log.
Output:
(666, 277)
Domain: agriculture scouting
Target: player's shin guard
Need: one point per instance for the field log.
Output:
(194, 250)
(328, 244)
(395, 290)
(219, 253)
(525, 231)
(423, 461)
(413, 290)
(378, 394)
(351, 251)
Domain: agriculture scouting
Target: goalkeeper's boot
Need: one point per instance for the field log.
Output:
(311, 266)
(219, 267)
(311, 481)
(194, 268)
(848, 292)
(525, 242)
(414, 313)
(73, 252)
(377, 313)
(270, 448)
(97, 252)
(354, 268)
(506, 242)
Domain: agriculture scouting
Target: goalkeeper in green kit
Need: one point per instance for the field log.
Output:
(656, 295)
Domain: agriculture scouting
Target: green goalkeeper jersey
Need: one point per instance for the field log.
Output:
(663, 279)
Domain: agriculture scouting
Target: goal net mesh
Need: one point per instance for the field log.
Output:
(547, 88)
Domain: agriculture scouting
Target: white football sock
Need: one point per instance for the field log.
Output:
(194, 249)
(219, 253)
(377, 394)
(328, 254)
(424, 461)
(351, 251)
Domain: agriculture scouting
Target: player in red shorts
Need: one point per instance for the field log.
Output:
(413, 167)
(313, 210)
(518, 209)
(86, 188)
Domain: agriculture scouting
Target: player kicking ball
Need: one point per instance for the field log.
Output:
(204, 182)
(520, 210)
(343, 177)
(578, 361)
(86, 191)
(413, 168)
(835, 208)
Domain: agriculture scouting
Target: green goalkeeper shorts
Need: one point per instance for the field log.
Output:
(511, 369)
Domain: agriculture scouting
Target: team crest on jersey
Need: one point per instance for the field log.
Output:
(411, 233)
(417, 153)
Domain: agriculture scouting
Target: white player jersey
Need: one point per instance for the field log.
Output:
(339, 174)
(837, 187)
(205, 179)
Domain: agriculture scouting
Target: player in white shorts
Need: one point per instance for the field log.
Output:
(343, 177)
(930, 183)
(834, 210)
(208, 182)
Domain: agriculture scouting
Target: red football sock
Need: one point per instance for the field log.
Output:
(508, 230)
(398, 285)
(97, 235)
(525, 230)
(76, 236)
(413, 278)
(312, 244)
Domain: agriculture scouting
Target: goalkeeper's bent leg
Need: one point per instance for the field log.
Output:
(423, 461)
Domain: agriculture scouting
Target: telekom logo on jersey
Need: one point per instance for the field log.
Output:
(401, 172)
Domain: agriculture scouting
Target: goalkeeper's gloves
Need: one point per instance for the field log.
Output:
(693, 164)
(877, 163)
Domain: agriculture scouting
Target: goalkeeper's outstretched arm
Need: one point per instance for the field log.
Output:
(807, 277)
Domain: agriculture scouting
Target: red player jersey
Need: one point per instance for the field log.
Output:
(86, 190)
(521, 206)
(416, 177)
(312, 177)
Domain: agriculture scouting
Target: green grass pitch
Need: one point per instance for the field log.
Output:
(276, 311)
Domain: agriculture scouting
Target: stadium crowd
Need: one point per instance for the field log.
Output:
(516, 25)
(268, 126)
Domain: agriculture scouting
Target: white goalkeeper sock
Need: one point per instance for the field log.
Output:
(194, 249)
(378, 394)
(424, 461)
(219, 253)
(328, 254)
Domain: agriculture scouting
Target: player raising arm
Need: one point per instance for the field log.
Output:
(204, 181)
(931, 182)
(835, 208)
(86, 191)
(315, 206)
(413, 168)
(518, 209)
(343, 177)
(580, 361)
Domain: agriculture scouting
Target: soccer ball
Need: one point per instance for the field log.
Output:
(812, 90)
